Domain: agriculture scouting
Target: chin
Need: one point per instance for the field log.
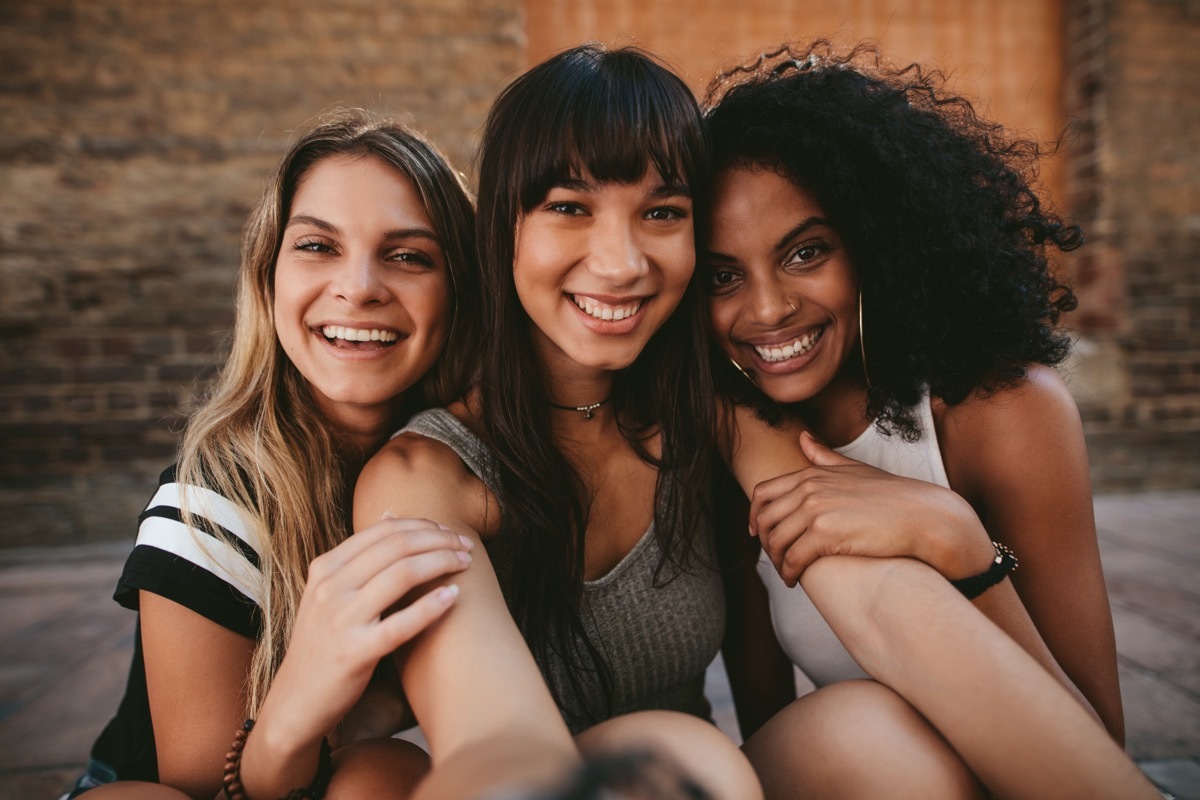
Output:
(787, 395)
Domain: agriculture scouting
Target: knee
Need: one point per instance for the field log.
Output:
(377, 768)
(856, 739)
(135, 790)
(693, 747)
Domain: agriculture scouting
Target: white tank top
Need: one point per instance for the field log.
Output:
(804, 635)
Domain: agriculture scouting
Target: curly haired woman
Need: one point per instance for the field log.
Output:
(878, 274)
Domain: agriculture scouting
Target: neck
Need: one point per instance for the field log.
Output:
(363, 430)
(575, 386)
(838, 413)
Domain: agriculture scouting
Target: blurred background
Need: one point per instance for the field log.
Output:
(135, 134)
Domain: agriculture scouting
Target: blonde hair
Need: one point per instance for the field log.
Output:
(259, 440)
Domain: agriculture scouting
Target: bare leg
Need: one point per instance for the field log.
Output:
(702, 752)
(134, 790)
(1016, 728)
(377, 768)
(856, 739)
(499, 766)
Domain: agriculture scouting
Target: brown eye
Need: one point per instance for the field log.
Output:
(721, 280)
(808, 254)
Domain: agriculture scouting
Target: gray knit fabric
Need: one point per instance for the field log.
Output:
(658, 641)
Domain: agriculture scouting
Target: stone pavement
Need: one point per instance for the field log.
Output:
(65, 647)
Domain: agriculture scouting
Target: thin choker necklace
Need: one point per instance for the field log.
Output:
(587, 411)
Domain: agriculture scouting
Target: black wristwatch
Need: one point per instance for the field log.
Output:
(1004, 563)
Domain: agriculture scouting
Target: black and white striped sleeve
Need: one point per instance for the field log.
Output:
(212, 570)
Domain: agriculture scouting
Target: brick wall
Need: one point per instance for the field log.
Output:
(134, 137)
(1134, 183)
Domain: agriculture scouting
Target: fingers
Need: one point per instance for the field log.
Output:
(398, 545)
(389, 525)
(400, 627)
(391, 584)
(820, 455)
(770, 491)
(798, 557)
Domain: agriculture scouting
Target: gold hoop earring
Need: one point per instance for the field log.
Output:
(745, 373)
(862, 345)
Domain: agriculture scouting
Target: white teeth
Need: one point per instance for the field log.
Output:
(599, 310)
(358, 334)
(796, 348)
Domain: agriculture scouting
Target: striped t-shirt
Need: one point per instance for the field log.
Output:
(212, 570)
(217, 576)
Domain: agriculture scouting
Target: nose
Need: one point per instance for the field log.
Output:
(769, 302)
(358, 280)
(616, 253)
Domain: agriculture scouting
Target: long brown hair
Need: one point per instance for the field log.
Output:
(614, 114)
(259, 440)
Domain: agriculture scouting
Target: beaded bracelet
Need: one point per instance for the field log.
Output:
(232, 782)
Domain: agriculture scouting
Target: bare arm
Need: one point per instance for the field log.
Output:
(760, 673)
(195, 671)
(470, 677)
(1020, 733)
(1019, 457)
(347, 621)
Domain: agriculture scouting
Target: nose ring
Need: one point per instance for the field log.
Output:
(792, 306)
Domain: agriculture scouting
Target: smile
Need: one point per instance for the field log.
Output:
(603, 311)
(776, 353)
(356, 338)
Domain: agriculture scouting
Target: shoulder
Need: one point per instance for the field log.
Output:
(415, 475)
(1019, 431)
(1039, 402)
(411, 456)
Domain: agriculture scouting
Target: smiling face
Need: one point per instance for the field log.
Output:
(362, 291)
(783, 295)
(600, 266)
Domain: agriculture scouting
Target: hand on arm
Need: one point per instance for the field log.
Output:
(347, 621)
(826, 504)
(839, 506)
(470, 677)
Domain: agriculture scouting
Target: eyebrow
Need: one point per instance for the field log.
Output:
(399, 233)
(803, 227)
(811, 222)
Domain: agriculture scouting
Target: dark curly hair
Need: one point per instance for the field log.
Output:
(935, 207)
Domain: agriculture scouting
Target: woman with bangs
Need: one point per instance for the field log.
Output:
(580, 457)
(255, 602)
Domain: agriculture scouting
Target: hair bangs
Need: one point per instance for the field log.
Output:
(608, 116)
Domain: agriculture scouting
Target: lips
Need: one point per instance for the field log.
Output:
(598, 309)
(785, 351)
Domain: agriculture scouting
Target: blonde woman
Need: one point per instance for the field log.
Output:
(254, 600)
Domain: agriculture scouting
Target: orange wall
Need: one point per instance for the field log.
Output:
(1007, 52)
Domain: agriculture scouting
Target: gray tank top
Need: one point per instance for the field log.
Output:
(658, 640)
